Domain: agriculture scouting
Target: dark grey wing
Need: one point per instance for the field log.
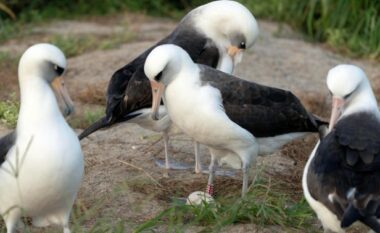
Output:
(116, 91)
(348, 161)
(129, 88)
(263, 111)
(209, 55)
(6, 144)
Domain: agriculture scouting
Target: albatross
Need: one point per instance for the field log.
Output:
(341, 179)
(41, 161)
(215, 34)
(234, 118)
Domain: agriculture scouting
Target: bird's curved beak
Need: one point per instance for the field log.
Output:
(337, 109)
(63, 97)
(157, 91)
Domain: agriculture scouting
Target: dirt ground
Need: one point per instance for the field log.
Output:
(121, 169)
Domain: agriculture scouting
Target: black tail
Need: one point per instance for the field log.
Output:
(99, 124)
(352, 215)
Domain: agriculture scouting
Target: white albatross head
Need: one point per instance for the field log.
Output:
(229, 24)
(160, 67)
(351, 92)
(46, 62)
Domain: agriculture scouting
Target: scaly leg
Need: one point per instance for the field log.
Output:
(245, 180)
(210, 184)
(166, 143)
(198, 165)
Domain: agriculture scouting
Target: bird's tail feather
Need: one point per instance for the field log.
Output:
(104, 123)
(367, 216)
(99, 124)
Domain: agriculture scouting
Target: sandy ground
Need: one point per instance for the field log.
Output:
(120, 163)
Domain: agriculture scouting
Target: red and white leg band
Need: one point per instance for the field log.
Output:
(210, 189)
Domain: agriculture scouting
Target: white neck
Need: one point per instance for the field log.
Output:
(38, 104)
(186, 75)
(363, 100)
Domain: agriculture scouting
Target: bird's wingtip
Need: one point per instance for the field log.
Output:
(99, 124)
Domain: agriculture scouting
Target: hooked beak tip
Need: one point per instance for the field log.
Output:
(68, 111)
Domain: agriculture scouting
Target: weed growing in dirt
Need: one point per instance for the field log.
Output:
(8, 74)
(82, 220)
(74, 45)
(9, 111)
(116, 40)
(9, 61)
(88, 117)
(263, 205)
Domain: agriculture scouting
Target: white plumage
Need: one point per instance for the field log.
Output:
(197, 109)
(43, 180)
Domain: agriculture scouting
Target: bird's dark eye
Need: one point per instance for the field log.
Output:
(158, 77)
(242, 45)
(59, 70)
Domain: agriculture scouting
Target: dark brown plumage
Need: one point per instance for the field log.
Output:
(6, 143)
(263, 111)
(347, 158)
(129, 89)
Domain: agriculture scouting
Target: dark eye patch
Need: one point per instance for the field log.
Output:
(352, 92)
(59, 69)
(347, 96)
(158, 77)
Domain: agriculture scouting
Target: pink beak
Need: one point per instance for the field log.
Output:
(337, 109)
(157, 91)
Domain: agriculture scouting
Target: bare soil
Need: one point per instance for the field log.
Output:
(120, 163)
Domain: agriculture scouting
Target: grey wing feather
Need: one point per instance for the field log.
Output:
(263, 111)
(348, 161)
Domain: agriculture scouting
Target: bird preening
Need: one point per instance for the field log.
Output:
(200, 99)
(205, 39)
(185, 84)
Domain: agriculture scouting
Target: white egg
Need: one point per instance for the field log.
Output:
(198, 198)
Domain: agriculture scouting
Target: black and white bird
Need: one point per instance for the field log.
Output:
(41, 162)
(341, 180)
(214, 34)
(234, 118)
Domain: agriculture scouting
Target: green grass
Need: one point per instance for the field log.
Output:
(29, 13)
(88, 117)
(9, 61)
(87, 219)
(264, 205)
(9, 112)
(74, 45)
(348, 26)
